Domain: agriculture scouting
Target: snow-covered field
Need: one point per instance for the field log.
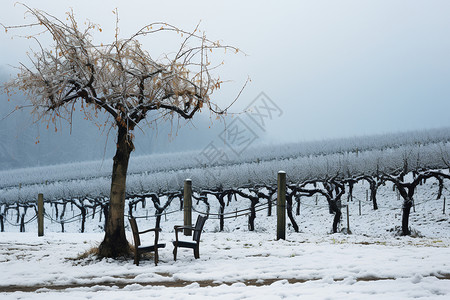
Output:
(371, 263)
(247, 265)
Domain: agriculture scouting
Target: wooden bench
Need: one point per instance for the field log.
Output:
(138, 249)
(195, 244)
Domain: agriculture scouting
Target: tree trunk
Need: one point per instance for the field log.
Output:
(350, 191)
(252, 217)
(115, 243)
(269, 207)
(158, 220)
(220, 197)
(334, 207)
(441, 187)
(373, 191)
(221, 222)
(373, 197)
(289, 212)
(405, 218)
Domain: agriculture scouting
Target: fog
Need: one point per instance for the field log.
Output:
(26, 143)
(333, 68)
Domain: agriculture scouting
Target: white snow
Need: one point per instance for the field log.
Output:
(371, 263)
(244, 265)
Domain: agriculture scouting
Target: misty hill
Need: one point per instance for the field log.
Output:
(25, 143)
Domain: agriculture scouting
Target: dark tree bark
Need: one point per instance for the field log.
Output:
(157, 204)
(374, 184)
(220, 196)
(441, 188)
(289, 204)
(333, 191)
(115, 243)
(337, 214)
(334, 200)
(253, 201)
(297, 199)
(83, 218)
(407, 204)
(407, 190)
(351, 183)
(268, 197)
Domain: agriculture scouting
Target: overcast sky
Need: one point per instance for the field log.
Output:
(333, 68)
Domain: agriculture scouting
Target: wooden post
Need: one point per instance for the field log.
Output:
(281, 206)
(2, 212)
(348, 220)
(40, 214)
(359, 207)
(187, 206)
(443, 209)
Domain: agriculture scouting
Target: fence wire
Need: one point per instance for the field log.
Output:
(216, 216)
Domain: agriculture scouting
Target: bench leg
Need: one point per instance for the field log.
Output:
(196, 253)
(175, 253)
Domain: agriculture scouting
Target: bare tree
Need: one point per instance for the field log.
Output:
(220, 194)
(374, 183)
(407, 190)
(332, 190)
(120, 79)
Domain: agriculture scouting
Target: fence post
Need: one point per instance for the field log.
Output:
(348, 220)
(187, 206)
(281, 206)
(2, 224)
(40, 214)
(443, 209)
(359, 207)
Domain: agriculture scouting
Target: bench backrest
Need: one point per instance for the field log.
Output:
(199, 227)
(134, 228)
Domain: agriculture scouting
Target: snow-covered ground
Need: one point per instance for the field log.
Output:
(232, 266)
(372, 263)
